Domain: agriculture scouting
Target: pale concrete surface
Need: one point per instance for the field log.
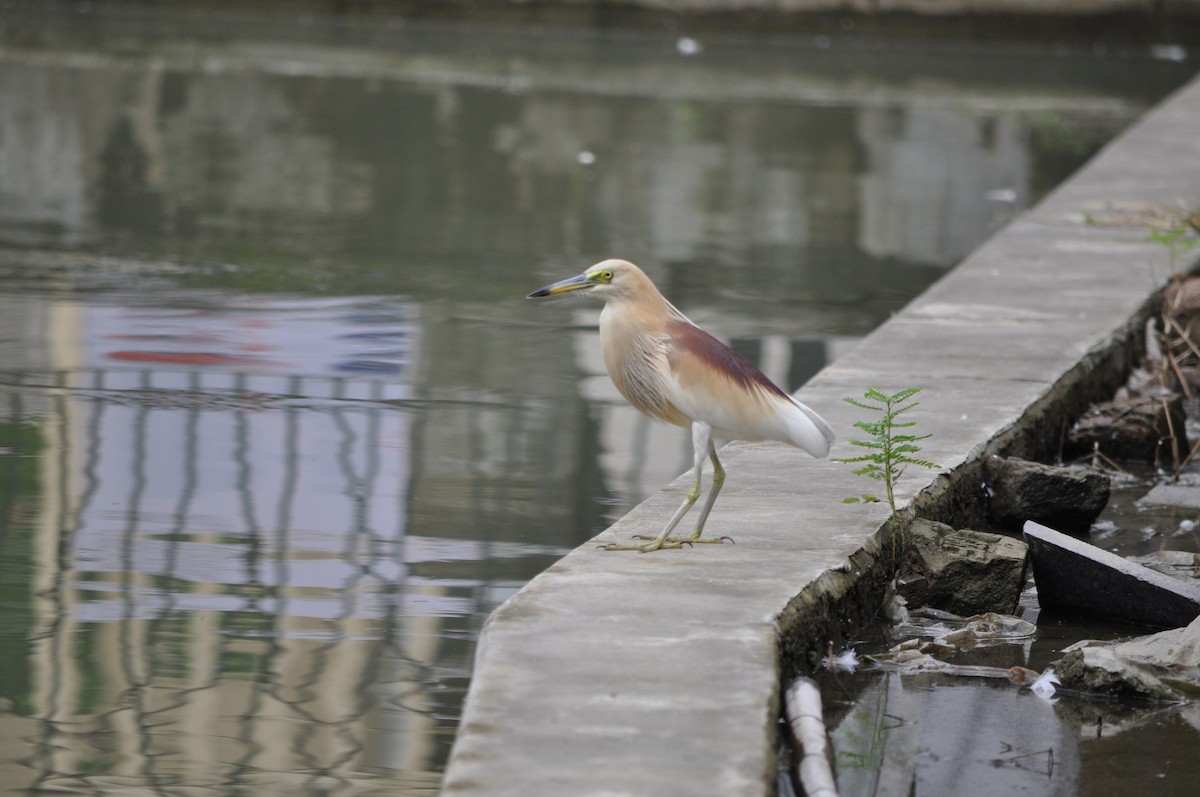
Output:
(1185, 494)
(658, 674)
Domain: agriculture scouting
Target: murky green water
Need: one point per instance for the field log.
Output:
(277, 430)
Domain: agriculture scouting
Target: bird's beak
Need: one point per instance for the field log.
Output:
(569, 285)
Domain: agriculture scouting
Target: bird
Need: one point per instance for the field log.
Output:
(676, 373)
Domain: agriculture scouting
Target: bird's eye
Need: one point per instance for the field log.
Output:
(607, 276)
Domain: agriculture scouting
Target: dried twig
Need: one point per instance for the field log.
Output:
(1186, 460)
(1187, 391)
(1184, 337)
(1099, 458)
(1171, 432)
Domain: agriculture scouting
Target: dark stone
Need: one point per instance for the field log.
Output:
(965, 572)
(1072, 574)
(1066, 498)
(1147, 429)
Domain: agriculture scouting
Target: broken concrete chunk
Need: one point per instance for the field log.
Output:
(965, 572)
(1065, 498)
(1072, 574)
(1149, 429)
(1162, 666)
(1185, 493)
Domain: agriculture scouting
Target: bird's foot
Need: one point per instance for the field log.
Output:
(706, 540)
(655, 544)
(691, 539)
(665, 543)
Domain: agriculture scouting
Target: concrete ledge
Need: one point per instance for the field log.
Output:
(628, 674)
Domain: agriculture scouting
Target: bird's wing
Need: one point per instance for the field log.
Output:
(712, 383)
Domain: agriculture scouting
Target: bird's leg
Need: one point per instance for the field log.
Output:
(717, 483)
(701, 443)
(663, 540)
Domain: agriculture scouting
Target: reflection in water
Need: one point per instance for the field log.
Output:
(227, 560)
(248, 538)
(924, 732)
(229, 574)
(483, 147)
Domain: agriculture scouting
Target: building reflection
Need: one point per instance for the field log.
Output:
(447, 150)
(238, 565)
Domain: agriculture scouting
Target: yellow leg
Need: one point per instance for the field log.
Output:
(718, 482)
(703, 446)
(663, 540)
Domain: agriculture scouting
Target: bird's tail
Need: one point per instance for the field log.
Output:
(809, 431)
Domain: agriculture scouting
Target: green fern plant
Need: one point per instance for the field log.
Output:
(889, 451)
(1179, 239)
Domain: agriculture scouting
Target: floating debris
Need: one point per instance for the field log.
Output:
(1046, 685)
(846, 661)
(965, 633)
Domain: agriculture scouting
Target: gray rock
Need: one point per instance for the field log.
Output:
(962, 571)
(1068, 499)
(1162, 666)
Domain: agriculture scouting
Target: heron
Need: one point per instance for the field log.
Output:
(676, 373)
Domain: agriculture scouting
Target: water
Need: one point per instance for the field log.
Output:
(922, 734)
(277, 430)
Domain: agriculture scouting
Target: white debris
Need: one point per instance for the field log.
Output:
(846, 661)
(1045, 685)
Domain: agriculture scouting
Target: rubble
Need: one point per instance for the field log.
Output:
(1148, 428)
(1065, 498)
(962, 571)
(1162, 666)
(950, 630)
(1072, 574)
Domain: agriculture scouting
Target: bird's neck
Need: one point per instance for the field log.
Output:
(634, 343)
(632, 318)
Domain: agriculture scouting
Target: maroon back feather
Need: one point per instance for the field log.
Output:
(722, 358)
